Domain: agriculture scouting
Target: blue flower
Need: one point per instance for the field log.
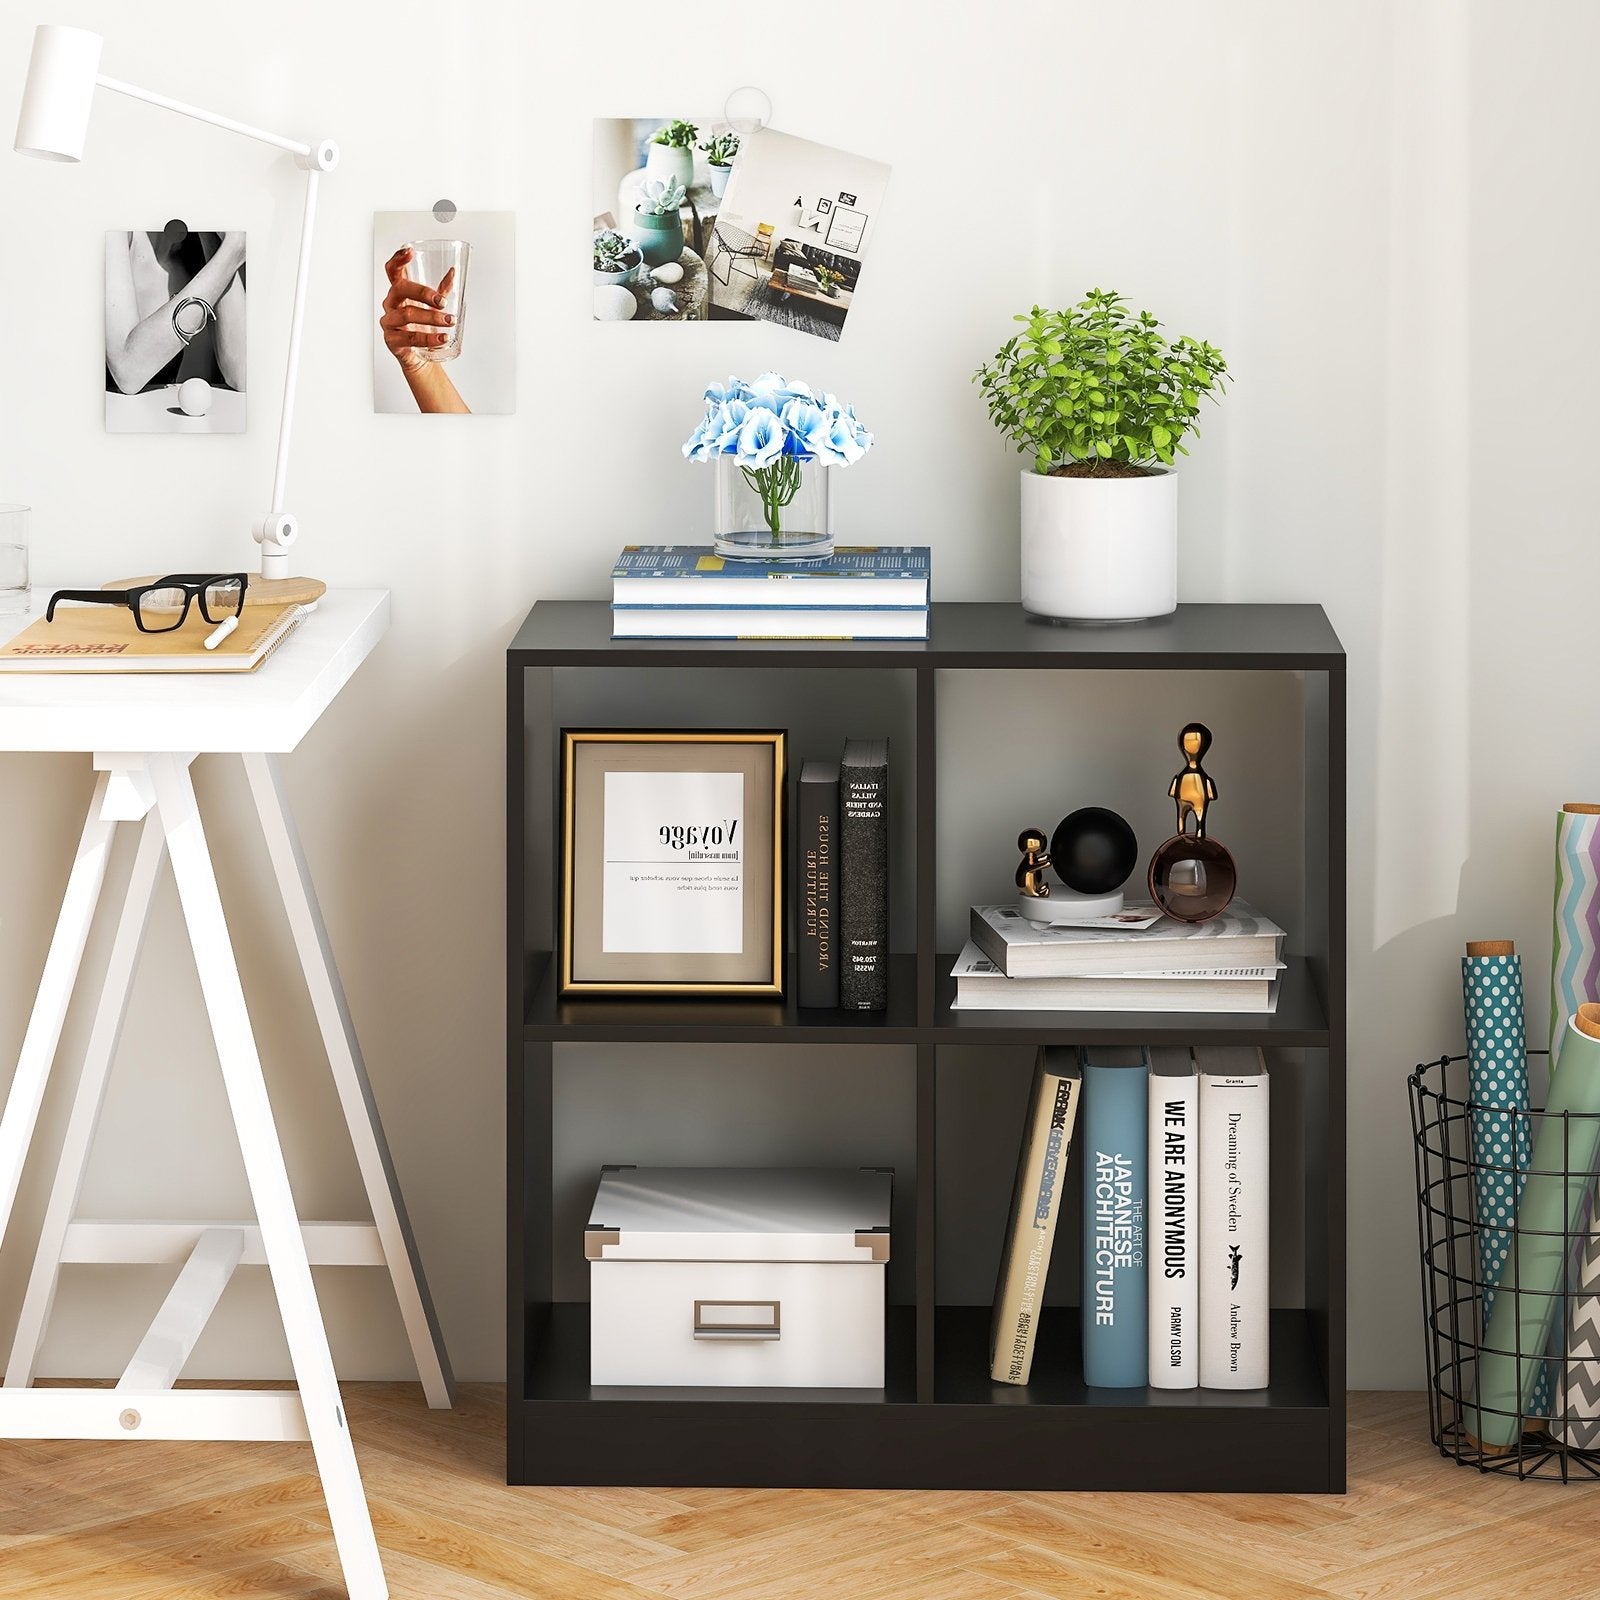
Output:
(842, 443)
(719, 394)
(801, 418)
(761, 439)
(730, 418)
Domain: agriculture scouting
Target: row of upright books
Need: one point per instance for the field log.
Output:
(842, 866)
(661, 591)
(1175, 1156)
(1136, 960)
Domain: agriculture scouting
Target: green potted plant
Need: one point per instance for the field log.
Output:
(671, 153)
(720, 149)
(829, 281)
(1102, 401)
(616, 259)
(656, 226)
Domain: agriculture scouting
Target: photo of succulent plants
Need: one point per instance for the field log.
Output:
(658, 186)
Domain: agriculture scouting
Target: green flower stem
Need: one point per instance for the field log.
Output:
(777, 485)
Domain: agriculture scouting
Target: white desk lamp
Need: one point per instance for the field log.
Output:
(56, 101)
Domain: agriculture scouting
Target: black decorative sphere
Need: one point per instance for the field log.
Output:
(1094, 851)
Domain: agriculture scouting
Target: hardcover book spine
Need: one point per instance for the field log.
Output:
(1036, 1203)
(1233, 1231)
(1116, 1346)
(864, 886)
(1174, 1247)
(818, 961)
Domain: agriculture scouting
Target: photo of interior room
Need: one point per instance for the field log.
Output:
(790, 241)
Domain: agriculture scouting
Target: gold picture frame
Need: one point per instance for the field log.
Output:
(596, 884)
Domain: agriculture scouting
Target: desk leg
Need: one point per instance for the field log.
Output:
(55, 995)
(281, 1236)
(350, 1076)
(103, 1039)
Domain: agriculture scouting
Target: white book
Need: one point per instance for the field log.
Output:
(767, 622)
(1172, 1225)
(1240, 937)
(1234, 1232)
(982, 986)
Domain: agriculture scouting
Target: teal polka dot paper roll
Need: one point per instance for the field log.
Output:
(1502, 1133)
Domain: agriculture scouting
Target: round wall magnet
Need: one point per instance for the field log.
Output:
(748, 109)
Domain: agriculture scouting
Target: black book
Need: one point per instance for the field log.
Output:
(818, 852)
(864, 875)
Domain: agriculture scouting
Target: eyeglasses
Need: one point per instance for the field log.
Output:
(163, 606)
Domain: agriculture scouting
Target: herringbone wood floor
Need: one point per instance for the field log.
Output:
(202, 1522)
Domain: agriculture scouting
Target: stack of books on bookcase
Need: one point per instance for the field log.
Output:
(1139, 960)
(661, 591)
(1174, 1162)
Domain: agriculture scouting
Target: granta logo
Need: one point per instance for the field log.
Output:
(1233, 1266)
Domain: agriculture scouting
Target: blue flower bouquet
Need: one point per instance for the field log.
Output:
(771, 438)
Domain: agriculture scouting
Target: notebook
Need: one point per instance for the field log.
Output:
(105, 639)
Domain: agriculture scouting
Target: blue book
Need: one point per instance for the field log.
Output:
(1116, 1171)
(854, 576)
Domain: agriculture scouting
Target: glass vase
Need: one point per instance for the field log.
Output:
(782, 512)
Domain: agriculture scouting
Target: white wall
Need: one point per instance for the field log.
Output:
(1382, 213)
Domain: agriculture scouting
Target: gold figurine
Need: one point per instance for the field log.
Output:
(1035, 858)
(1192, 788)
(1192, 877)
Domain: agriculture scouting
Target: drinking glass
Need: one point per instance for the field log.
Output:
(14, 597)
(432, 261)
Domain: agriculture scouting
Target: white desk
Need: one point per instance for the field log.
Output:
(143, 731)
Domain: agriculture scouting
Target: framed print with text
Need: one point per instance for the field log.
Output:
(672, 862)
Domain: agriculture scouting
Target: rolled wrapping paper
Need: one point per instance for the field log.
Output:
(1575, 953)
(1574, 979)
(1532, 1281)
(1502, 1134)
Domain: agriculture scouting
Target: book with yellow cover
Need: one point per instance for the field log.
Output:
(106, 639)
(1036, 1203)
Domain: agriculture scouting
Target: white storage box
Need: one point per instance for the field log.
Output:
(761, 1277)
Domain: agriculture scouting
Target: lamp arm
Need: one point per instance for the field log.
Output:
(134, 92)
(279, 528)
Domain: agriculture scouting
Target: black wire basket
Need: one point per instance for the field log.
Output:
(1558, 1436)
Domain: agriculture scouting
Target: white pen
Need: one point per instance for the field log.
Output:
(224, 628)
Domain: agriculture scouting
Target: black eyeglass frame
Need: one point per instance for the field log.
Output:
(193, 584)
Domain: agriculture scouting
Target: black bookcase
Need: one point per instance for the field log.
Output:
(939, 1422)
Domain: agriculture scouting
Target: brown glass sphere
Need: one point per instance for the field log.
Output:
(1192, 879)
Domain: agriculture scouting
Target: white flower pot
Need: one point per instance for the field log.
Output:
(670, 161)
(1099, 549)
(719, 178)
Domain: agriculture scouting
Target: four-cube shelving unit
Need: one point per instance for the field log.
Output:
(939, 1422)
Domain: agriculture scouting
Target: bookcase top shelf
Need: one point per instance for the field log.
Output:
(972, 634)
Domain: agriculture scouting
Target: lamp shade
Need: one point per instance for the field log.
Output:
(59, 93)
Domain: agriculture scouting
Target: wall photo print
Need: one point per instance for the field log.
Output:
(445, 313)
(793, 232)
(657, 187)
(175, 331)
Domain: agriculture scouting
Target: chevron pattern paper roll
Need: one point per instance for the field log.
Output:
(1575, 956)
(1576, 1422)
(1574, 979)
(1502, 1137)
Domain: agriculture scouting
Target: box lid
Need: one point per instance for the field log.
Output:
(740, 1214)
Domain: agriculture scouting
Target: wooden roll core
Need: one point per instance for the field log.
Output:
(1579, 808)
(1587, 1018)
(1491, 947)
